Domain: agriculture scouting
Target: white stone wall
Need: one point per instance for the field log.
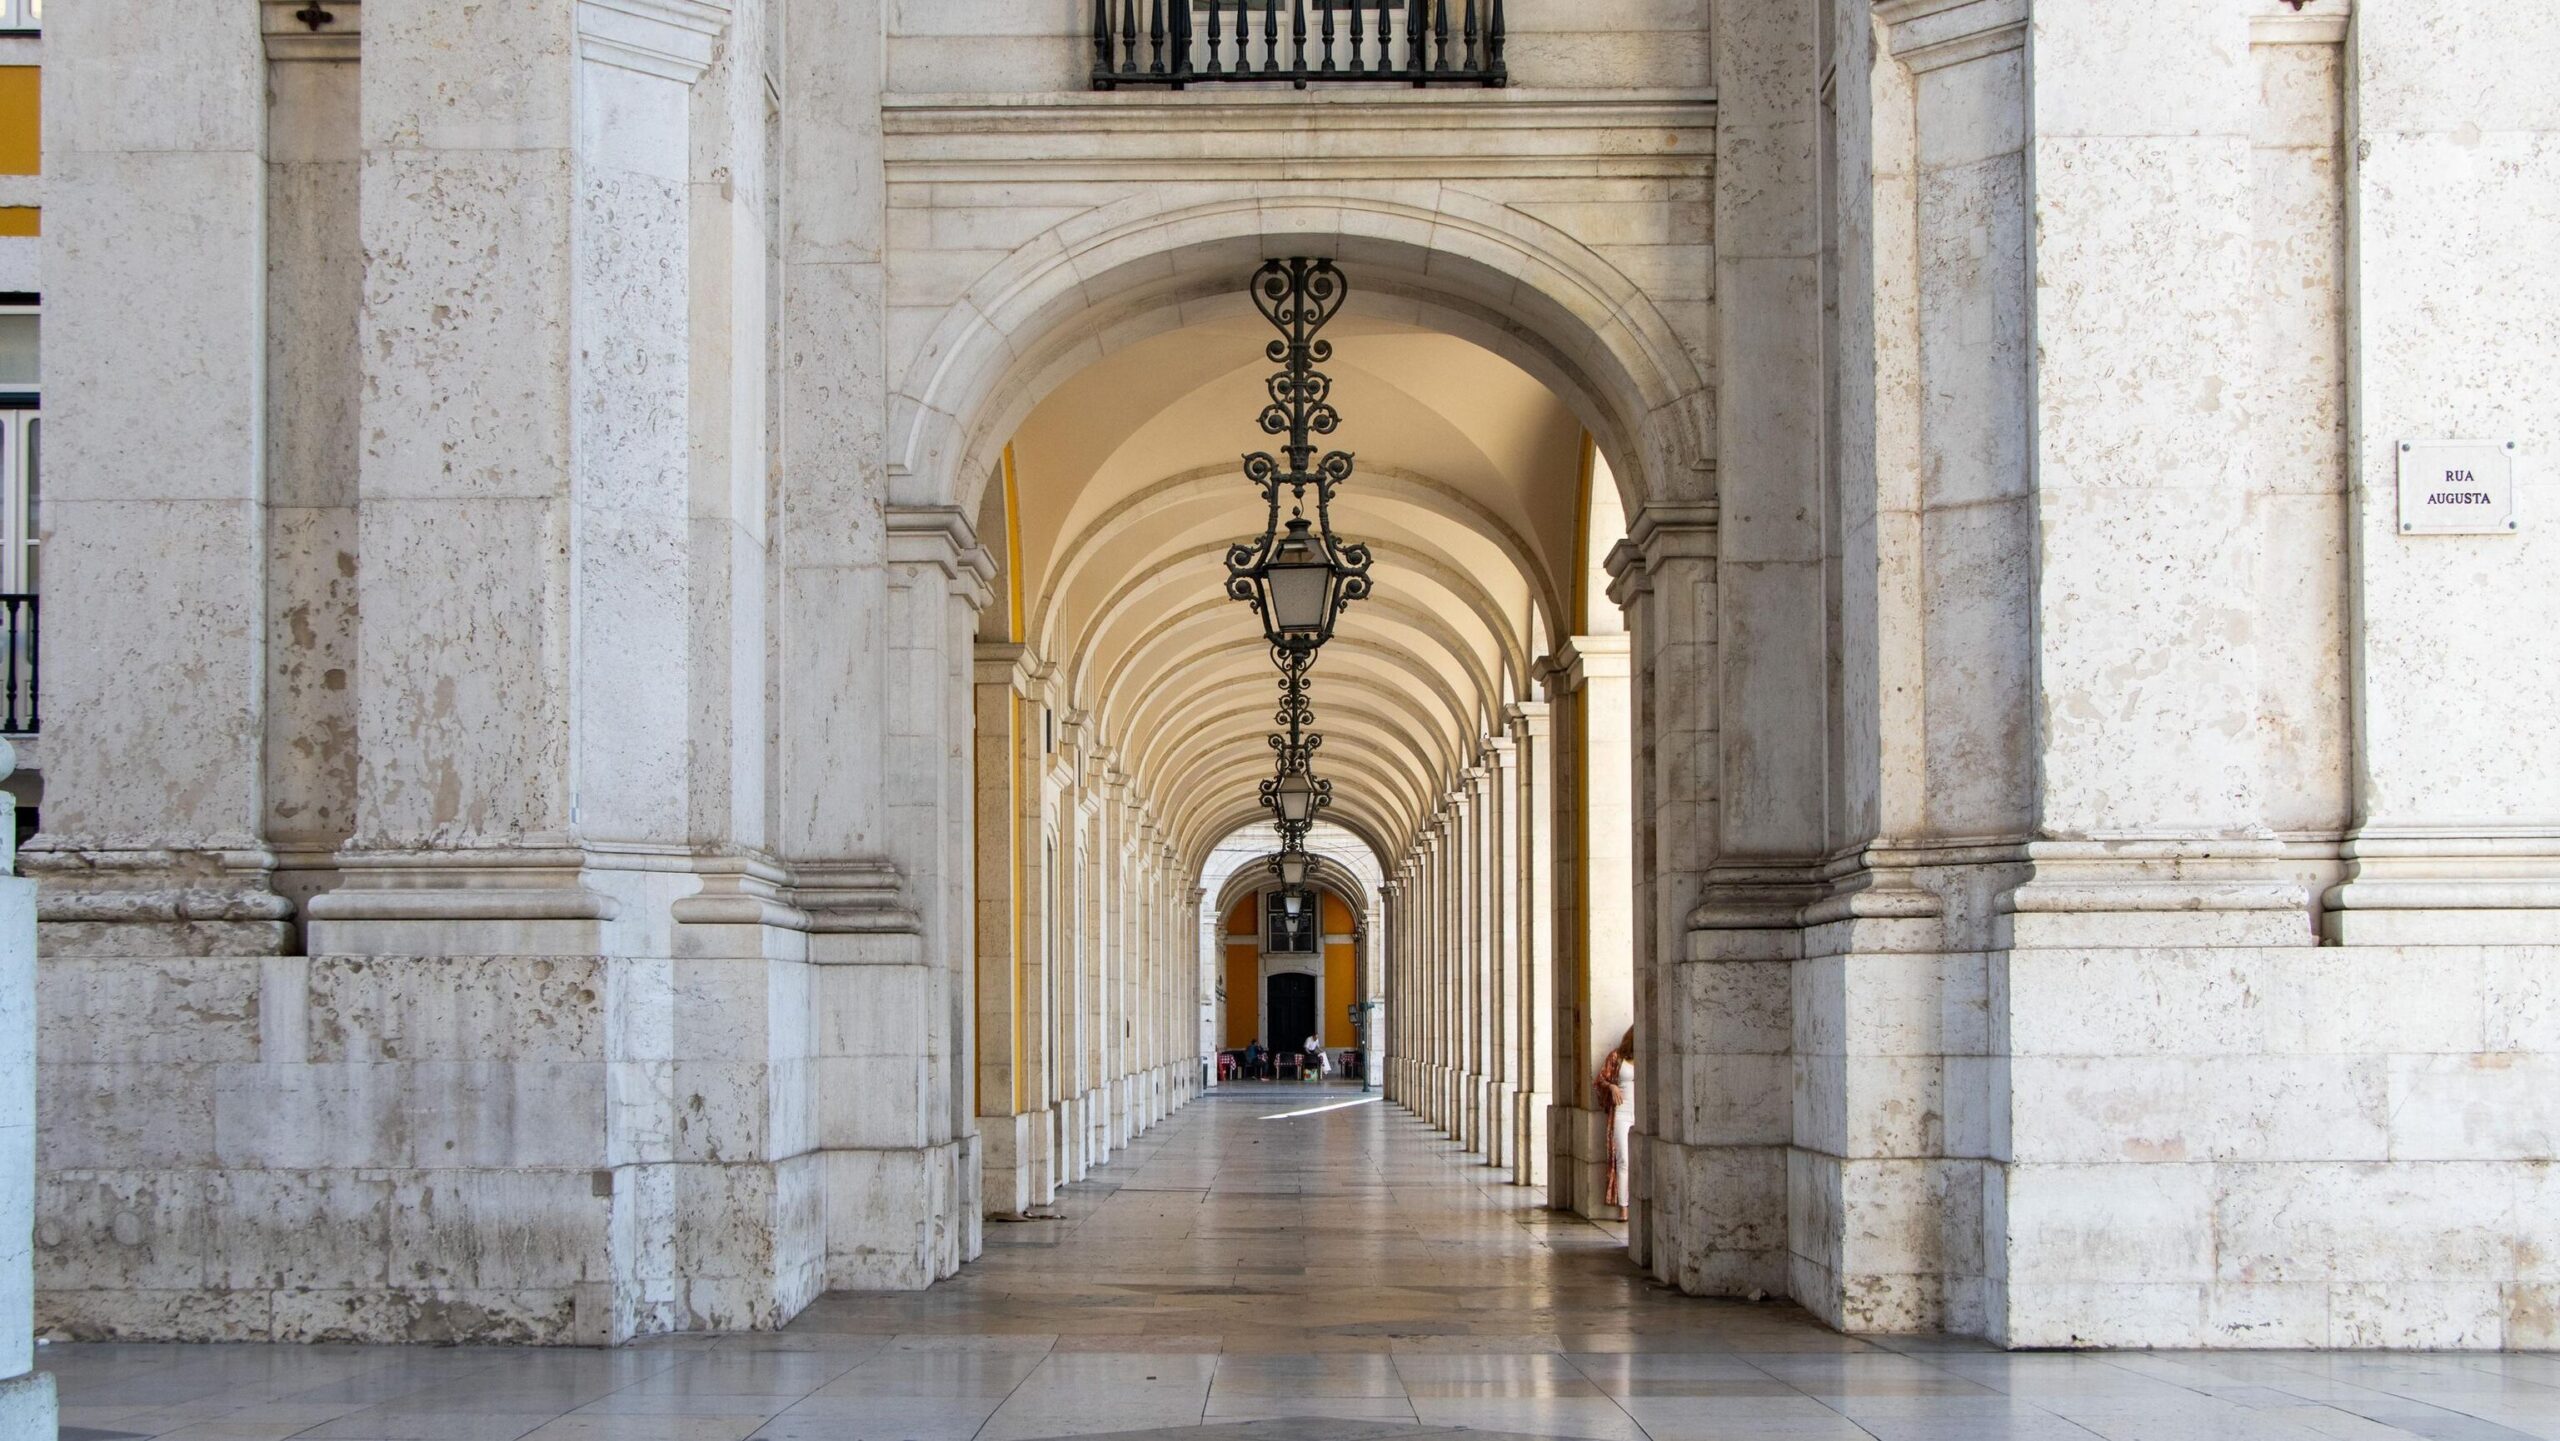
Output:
(541, 892)
(27, 1406)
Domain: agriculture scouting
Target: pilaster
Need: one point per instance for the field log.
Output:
(155, 488)
(2456, 833)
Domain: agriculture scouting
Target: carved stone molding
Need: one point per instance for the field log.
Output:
(311, 29)
(671, 39)
(1933, 34)
(2299, 22)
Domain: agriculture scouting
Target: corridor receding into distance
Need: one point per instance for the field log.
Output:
(1321, 1263)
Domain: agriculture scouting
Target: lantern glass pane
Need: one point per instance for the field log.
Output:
(1297, 797)
(1292, 902)
(1298, 594)
(1293, 868)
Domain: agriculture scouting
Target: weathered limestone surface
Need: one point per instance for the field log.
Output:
(27, 1405)
(546, 836)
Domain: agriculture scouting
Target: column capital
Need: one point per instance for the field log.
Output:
(1589, 657)
(1933, 34)
(290, 37)
(671, 39)
(1657, 535)
(1005, 663)
(941, 537)
(1527, 719)
(2299, 22)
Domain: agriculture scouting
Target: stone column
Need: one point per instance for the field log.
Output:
(1434, 933)
(2150, 803)
(1712, 1116)
(1592, 681)
(27, 1406)
(1378, 984)
(1006, 1022)
(903, 1169)
(1533, 943)
(1928, 259)
(1101, 865)
(1468, 869)
(521, 684)
(1448, 949)
(2149, 795)
(1398, 990)
(156, 486)
(315, 301)
(1075, 1022)
(1502, 913)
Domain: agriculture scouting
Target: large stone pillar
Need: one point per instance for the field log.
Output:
(1534, 942)
(27, 1405)
(1713, 1108)
(1503, 918)
(315, 304)
(2153, 850)
(1928, 394)
(1467, 873)
(156, 489)
(520, 684)
(1591, 685)
(1007, 1018)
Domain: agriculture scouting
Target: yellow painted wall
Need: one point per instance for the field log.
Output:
(1341, 988)
(1341, 973)
(21, 134)
(1244, 996)
(1244, 978)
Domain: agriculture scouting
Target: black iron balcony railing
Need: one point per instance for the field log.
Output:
(1410, 42)
(18, 715)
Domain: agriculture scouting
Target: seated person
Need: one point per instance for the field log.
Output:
(1317, 1063)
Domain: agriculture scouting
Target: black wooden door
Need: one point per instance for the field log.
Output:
(1293, 1010)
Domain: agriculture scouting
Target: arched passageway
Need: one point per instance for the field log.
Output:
(631, 736)
(1470, 867)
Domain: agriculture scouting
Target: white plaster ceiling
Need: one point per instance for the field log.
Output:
(1130, 489)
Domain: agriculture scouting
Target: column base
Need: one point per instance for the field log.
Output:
(899, 1220)
(2432, 888)
(157, 902)
(1011, 1180)
(1714, 1217)
(1529, 1141)
(1498, 1124)
(28, 1407)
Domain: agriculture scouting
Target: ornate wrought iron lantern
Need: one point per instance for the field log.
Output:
(1298, 575)
(1293, 793)
(1293, 866)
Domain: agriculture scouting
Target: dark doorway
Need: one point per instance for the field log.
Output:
(1293, 1010)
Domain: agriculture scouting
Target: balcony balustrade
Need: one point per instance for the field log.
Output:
(1176, 43)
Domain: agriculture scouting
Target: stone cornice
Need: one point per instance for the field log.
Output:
(1933, 34)
(290, 37)
(940, 536)
(671, 39)
(1585, 656)
(2316, 22)
(1385, 133)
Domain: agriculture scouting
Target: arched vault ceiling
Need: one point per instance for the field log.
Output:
(1129, 490)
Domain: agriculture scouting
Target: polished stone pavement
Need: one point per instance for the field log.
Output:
(1345, 1275)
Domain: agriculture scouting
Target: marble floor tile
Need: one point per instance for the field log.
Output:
(1348, 1276)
